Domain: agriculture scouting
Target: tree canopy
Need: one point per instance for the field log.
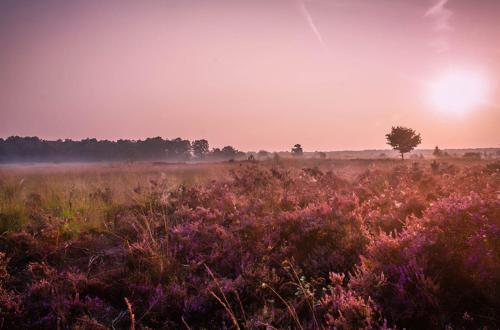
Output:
(297, 150)
(403, 139)
(200, 148)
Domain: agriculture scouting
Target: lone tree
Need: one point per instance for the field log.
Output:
(297, 150)
(403, 139)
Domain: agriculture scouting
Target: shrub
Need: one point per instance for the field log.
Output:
(440, 267)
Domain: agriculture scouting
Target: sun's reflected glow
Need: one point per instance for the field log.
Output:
(458, 91)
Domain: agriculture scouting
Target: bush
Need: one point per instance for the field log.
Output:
(440, 267)
(267, 248)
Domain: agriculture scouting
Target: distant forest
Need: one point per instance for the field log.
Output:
(34, 149)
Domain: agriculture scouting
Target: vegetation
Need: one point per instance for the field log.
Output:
(297, 150)
(200, 148)
(472, 155)
(33, 149)
(438, 153)
(280, 244)
(263, 154)
(403, 139)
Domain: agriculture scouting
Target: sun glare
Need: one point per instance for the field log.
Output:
(458, 91)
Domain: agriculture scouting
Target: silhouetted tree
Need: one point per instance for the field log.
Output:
(297, 150)
(178, 149)
(437, 152)
(228, 152)
(322, 155)
(403, 139)
(200, 148)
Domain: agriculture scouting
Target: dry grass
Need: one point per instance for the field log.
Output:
(85, 194)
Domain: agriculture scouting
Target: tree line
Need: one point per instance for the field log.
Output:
(34, 149)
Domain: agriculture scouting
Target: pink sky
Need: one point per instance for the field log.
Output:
(256, 74)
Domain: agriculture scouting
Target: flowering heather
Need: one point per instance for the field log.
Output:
(265, 246)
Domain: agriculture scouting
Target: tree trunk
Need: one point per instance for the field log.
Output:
(402, 156)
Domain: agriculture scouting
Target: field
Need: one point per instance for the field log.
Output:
(277, 244)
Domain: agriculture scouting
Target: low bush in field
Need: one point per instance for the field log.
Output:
(414, 247)
(442, 269)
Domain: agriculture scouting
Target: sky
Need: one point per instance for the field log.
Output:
(254, 74)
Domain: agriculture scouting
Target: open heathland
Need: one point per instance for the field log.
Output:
(278, 244)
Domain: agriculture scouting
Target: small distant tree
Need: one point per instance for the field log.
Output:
(437, 152)
(322, 155)
(200, 148)
(297, 150)
(263, 154)
(403, 139)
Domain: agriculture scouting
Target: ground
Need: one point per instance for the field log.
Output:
(288, 243)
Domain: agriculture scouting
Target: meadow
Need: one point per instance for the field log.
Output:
(275, 244)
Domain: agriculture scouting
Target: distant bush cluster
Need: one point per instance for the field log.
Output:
(34, 149)
(411, 247)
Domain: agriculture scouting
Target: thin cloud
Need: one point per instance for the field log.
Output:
(310, 21)
(441, 17)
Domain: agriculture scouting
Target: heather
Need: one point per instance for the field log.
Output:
(255, 245)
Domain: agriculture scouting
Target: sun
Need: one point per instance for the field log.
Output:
(458, 91)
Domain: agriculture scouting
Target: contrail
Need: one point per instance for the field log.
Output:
(441, 15)
(310, 21)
